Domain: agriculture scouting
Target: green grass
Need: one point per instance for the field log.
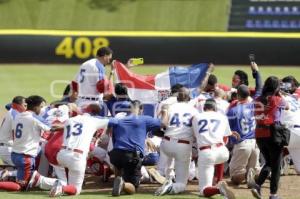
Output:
(152, 15)
(93, 195)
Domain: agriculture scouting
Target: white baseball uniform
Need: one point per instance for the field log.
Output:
(78, 134)
(27, 132)
(177, 142)
(291, 119)
(222, 105)
(198, 102)
(164, 167)
(6, 136)
(209, 129)
(60, 114)
(90, 72)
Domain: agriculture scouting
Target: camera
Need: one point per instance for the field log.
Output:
(252, 57)
(137, 61)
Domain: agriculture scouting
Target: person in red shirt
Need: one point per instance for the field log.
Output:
(268, 107)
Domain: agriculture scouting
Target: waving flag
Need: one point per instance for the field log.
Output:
(151, 89)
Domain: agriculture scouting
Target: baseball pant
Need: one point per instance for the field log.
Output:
(74, 164)
(245, 155)
(5, 155)
(181, 152)
(207, 159)
(294, 147)
(25, 165)
(43, 167)
(165, 166)
(60, 174)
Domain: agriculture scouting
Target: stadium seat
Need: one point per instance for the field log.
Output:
(269, 10)
(277, 10)
(267, 24)
(258, 24)
(251, 10)
(249, 23)
(295, 11)
(275, 24)
(284, 24)
(294, 24)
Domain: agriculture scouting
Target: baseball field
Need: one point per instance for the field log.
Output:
(49, 82)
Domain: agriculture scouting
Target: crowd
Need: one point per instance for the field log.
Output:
(97, 129)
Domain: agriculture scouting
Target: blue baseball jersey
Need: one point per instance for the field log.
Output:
(129, 133)
(241, 119)
(115, 106)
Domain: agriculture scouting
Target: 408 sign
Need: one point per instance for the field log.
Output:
(80, 47)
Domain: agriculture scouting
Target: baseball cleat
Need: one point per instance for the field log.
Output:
(274, 197)
(56, 190)
(285, 165)
(251, 178)
(4, 175)
(225, 190)
(118, 186)
(165, 188)
(33, 180)
(256, 191)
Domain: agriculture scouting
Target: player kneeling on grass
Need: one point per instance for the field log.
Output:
(209, 129)
(78, 134)
(18, 105)
(244, 163)
(27, 132)
(128, 135)
(177, 141)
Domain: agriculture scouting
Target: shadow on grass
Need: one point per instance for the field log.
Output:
(185, 195)
(4, 1)
(108, 5)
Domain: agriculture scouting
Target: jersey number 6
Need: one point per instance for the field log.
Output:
(19, 128)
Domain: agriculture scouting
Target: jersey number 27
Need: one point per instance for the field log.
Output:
(213, 123)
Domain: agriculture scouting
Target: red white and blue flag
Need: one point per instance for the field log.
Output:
(151, 89)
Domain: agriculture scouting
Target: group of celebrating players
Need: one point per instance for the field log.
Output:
(97, 128)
